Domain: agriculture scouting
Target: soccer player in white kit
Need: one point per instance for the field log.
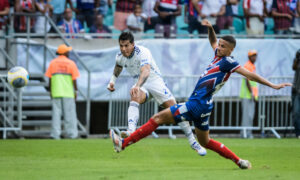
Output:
(140, 65)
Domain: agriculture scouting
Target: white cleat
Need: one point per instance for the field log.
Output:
(125, 134)
(197, 147)
(117, 141)
(244, 164)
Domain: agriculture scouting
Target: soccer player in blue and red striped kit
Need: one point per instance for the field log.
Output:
(200, 104)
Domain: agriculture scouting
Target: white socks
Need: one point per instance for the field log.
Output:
(133, 116)
(186, 128)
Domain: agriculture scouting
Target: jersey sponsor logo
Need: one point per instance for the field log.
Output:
(144, 60)
(204, 123)
(206, 114)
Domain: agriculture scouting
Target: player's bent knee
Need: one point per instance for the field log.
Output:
(162, 118)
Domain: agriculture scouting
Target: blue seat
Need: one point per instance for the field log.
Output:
(238, 25)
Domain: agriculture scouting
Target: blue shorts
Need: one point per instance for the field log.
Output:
(192, 111)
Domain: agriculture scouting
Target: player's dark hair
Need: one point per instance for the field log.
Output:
(229, 39)
(126, 36)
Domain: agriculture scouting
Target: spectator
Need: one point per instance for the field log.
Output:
(192, 11)
(86, 11)
(99, 27)
(225, 21)
(167, 11)
(296, 94)
(70, 25)
(249, 94)
(4, 11)
(63, 73)
(211, 10)
(152, 16)
(283, 16)
(59, 7)
(255, 11)
(46, 9)
(135, 21)
(104, 6)
(123, 9)
(24, 6)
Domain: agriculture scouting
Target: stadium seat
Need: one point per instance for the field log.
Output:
(238, 25)
(181, 26)
(269, 26)
(225, 31)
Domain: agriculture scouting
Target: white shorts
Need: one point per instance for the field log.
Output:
(158, 90)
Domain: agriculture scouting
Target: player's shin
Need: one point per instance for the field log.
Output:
(186, 128)
(140, 133)
(133, 116)
(222, 150)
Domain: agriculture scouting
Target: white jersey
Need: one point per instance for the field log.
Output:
(140, 57)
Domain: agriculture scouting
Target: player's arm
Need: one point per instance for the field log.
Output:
(117, 71)
(255, 77)
(145, 72)
(211, 34)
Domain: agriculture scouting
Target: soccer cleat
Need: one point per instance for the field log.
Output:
(244, 164)
(117, 141)
(197, 147)
(125, 134)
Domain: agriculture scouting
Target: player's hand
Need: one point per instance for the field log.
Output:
(111, 87)
(134, 91)
(205, 22)
(282, 85)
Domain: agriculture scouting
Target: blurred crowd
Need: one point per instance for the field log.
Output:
(253, 17)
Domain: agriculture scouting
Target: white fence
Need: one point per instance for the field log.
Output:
(273, 105)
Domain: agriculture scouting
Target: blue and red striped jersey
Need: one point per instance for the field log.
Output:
(214, 77)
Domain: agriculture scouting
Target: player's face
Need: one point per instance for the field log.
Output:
(224, 48)
(126, 47)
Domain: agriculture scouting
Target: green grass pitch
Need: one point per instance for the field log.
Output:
(148, 159)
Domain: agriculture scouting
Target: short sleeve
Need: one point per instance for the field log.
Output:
(145, 57)
(130, 20)
(246, 4)
(75, 72)
(118, 59)
(228, 64)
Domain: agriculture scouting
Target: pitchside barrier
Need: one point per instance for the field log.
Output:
(272, 107)
(275, 107)
(10, 107)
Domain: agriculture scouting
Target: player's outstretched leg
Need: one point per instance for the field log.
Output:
(227, 153)
(117, 141)
(133, 118)
(140, 133)
(221, 149)
(186, 128)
